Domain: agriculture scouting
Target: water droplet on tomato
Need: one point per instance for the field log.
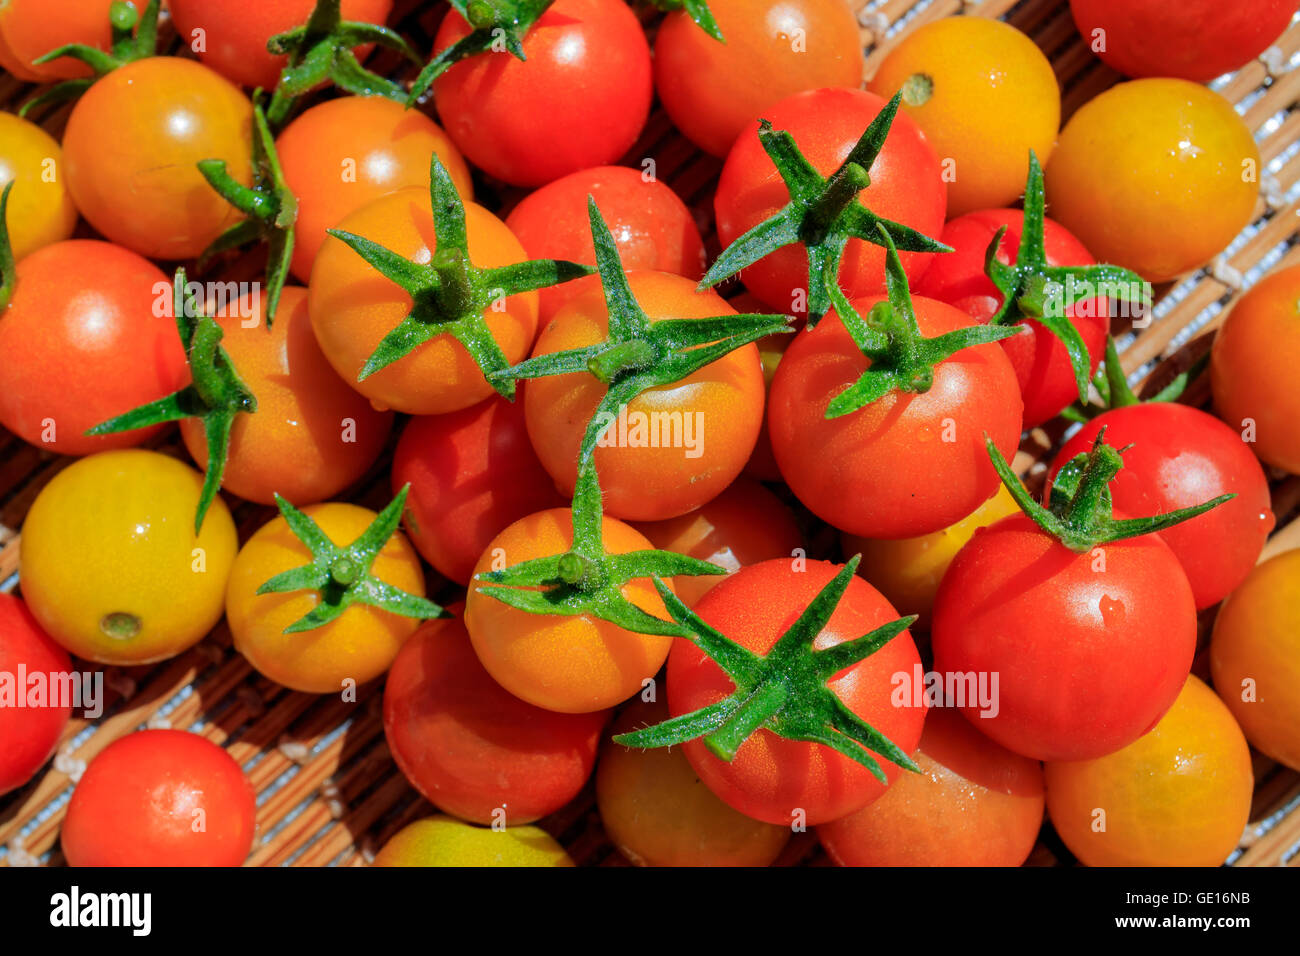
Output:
(1112, 611)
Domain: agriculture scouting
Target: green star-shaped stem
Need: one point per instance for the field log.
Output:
(496, 26)
(698, 11)
(1112, 385)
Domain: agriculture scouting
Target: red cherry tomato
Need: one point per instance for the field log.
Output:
(32, 28)
(30, 726)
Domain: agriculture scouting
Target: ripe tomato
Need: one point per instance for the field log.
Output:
(1178, 796)
(353, 307)
(40, 209)
(714, 91)
(312, 435)
(985, 95)
(677, 446)
(774, 779)
(30, 725)
(357, 646)
(1255, 657)
(1154, 175)
(580, 99)
(1088, 650)
(571, 664)
(75, 352)
(343, 153)
(1202, 40)
(442, 841)
(160, 798)
(907, 464)
(1040, 360)
(652, 228)
(1252, 369)
(906, 186)
(230, 35)
(470, 747)
(657, 812)
(742, 526)
(31, 28)
(111, 565)
(471, 473)
(1180, 457)
(131, 146)
(973, 804)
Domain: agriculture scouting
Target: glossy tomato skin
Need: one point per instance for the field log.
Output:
(40, 208)
(31, 28)
(442, 841)
(718, 410)
(312, 435)
(907, 464)
(353, 307)
(772, 778)
(579, 100)
(30, 733)
(83, 340)
(131, 146)
(1041, 362)
(142, 799)
(1180, 457)
(471, 473)
(1204, 39)
(472, 748)
(906, 186)
(1089, 650)
(651, 226)
(235, 33)
(342, 153)
(973, 804)
(774, 48)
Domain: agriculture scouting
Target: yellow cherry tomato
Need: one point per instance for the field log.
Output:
(111, 566)
(40, 208)
(442, 841)
(358, 645)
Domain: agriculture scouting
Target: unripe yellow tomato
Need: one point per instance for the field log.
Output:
(40, 207)
(442, 841)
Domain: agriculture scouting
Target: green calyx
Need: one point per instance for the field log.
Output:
(321, 50)
(1112, 386)
(784, 691)
(638, 354)
(269, 204)
(1034, 291)
(1080, 514)
(216, 394)
(586, 579)
(822, 215)
(8, 268)
(450, 294)
(901, 357)
(698, 11)
(342, 575)
(497, 26)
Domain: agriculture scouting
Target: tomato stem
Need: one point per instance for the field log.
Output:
(698, 11)
(8, 267)
(1112, 385)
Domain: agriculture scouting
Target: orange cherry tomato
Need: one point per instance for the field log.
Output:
(40, 208)
(31, 28)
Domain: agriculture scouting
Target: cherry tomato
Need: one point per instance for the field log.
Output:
(40, 209)
(442, 841)
(83, 340)
(110, 563)
(471, 473)
(160, 798)
(470, 747)
(773, 48)
(771, 348)
(353, 307)
(652, 228)
(657, 812)
(131, 146)
(1203, 39)
(773, 779)
(30, 726)
(907, 464)
(1180, 457)
(1255, 657)
(31, 28)
(580, 99)
(312, 435)
(1154, 175)
(1178, 796)
(742, 526)
(973, 804)
(571, 664)
(705, 425)
(906, 186)
(1252, 369)
(343, 153)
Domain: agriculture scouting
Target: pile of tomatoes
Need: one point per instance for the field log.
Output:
(754, 497)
